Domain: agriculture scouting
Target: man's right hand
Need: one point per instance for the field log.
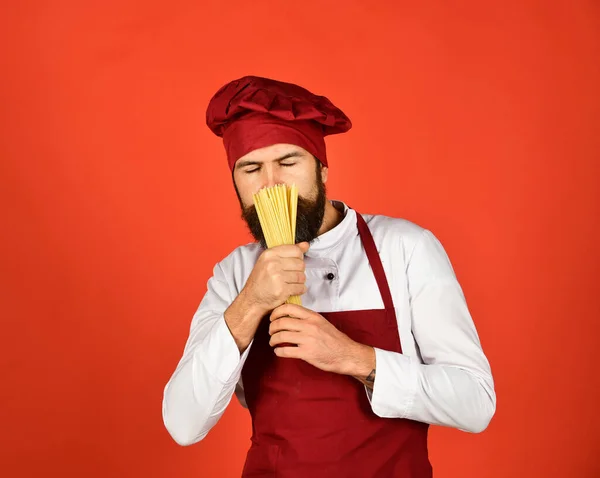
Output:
(277, 275)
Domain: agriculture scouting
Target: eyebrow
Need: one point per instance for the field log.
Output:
(248, 162)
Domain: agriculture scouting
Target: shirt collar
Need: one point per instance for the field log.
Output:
(324, 243)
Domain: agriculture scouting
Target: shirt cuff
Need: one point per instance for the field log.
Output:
(220, 355)
(395, 384)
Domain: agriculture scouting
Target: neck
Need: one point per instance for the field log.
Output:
(331, 218)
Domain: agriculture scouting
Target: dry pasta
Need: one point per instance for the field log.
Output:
(277, 208)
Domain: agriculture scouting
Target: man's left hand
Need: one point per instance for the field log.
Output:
(316, 341)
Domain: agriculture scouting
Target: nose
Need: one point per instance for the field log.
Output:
(270, 176)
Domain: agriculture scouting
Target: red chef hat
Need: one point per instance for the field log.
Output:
(254, 112)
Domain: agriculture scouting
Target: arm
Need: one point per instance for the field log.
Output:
(205, 379)
(220, 339)
(454, 386)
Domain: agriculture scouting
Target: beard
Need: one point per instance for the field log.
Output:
(309, 217)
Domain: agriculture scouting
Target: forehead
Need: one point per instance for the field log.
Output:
(273, 152)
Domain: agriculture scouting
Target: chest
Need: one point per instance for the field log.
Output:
(343, 280)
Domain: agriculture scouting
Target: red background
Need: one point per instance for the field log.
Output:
(477, 120)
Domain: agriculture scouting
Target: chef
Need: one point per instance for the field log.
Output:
(384, 345)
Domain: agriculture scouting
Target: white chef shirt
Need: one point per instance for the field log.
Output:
(442, 376)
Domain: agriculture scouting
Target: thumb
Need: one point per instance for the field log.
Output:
(304, 246)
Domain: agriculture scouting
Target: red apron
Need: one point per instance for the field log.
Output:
(307, 423)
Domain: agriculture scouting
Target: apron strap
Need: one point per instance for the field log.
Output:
(375, 261)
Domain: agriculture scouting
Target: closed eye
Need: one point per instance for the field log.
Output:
(285, 165)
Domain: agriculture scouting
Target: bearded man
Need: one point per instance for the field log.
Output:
(384, 345)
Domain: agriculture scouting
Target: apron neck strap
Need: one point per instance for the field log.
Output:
(375, 261)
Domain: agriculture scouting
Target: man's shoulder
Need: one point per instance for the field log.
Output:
(389, 226)
(243, 254)
(410, 237)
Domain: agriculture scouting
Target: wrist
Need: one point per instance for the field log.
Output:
(361, 361)
(249, 308)
(242, 317)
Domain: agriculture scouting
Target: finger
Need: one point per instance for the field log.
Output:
(304, 246)
(286, 323)
(288, 352)
(291, 310)
(295, 289)
(286, 337)
(293, 277)
(292, 264)
(290, 250)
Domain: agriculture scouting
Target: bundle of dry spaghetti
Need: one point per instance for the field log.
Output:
(277, 207)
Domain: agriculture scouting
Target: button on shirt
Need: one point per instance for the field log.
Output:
(442, 376)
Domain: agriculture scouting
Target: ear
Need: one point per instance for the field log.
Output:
(324, 173)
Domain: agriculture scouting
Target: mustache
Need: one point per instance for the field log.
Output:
(309, 218)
